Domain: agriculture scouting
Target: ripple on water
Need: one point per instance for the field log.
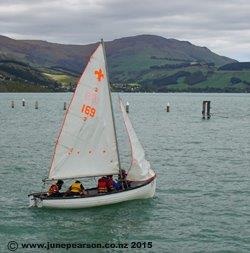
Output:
(202, 202)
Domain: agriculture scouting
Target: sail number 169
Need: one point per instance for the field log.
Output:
(88, 110)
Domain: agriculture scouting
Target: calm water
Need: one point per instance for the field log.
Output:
(202, 201)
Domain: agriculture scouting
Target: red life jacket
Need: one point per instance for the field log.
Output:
(110, 184)
(53, 189)
(102, 185)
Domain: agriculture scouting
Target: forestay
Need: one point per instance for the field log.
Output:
(86, 145)
(140, 167)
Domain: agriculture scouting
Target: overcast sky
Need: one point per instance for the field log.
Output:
(221, 25)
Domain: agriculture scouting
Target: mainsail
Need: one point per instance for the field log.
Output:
(140, 167)
(87, 145)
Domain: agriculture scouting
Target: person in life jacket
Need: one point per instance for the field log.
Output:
(122, 180)
(102, 185)
(110, 183)
(54, 189)
(76, 189)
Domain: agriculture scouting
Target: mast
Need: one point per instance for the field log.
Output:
(113, 118)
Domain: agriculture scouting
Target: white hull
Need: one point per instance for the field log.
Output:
(143, 192)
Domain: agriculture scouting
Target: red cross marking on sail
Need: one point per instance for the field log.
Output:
(99, 74)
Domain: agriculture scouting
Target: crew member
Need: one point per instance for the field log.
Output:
(54, 189)
(110, 183)
(122, 180)
(76, 189)
(102, 185)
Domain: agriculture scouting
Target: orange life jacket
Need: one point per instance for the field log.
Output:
(53, 189)
(102, 185)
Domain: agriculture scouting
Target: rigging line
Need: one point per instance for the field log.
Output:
(131, 149)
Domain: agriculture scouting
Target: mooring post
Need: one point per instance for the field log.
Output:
(36, 105)
(168, 107)
(23, 102)
(206, 109)
(203, 110)
(127, 107)
(64, 106)
(12, 104)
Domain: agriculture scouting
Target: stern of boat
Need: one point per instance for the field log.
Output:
(35, 201)
(152, 185)
(152, 188)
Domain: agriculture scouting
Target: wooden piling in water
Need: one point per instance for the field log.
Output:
(36, 105)
(127, 107)
(206, 109)
(203, 110)
(64, 106)
(168, 107)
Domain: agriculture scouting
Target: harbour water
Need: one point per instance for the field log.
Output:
(202, 201)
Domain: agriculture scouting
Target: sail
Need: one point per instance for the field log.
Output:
(140, 167)
(86, 145)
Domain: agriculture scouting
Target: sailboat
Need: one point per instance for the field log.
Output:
(87, 145)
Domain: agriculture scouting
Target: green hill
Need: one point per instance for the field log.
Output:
(20, 76)
(195, 78)
(151, 62)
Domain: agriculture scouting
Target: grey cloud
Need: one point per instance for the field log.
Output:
(221, 25)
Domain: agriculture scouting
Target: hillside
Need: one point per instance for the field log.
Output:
(196, 78)
(19, 76)
(141, 48)
(153, 62)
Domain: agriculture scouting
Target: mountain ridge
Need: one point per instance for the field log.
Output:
(153, 62)
(35, 51)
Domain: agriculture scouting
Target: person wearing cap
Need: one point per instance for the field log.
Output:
(54, 189)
